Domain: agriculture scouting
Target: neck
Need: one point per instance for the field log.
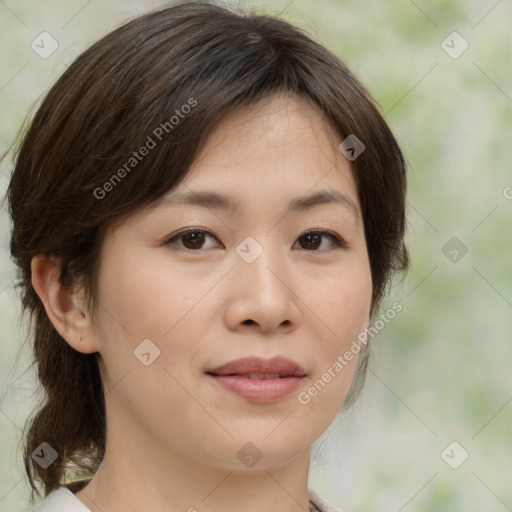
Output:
(133, 478)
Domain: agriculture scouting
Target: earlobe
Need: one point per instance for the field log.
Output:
(65, 308)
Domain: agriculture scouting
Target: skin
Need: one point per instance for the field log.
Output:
(172, 433)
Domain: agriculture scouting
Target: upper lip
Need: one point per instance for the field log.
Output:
(246, 365)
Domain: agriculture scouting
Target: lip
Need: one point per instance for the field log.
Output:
(246, 365)
(233, 376)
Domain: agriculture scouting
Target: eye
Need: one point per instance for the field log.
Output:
(193, 239)
(312, 239)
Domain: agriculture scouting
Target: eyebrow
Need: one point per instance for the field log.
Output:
(218, 201)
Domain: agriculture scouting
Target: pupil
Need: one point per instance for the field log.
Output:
(311, 236)
(195, 238)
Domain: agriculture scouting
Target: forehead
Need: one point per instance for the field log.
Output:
(274, 122)
(280, 147)
(266, 161)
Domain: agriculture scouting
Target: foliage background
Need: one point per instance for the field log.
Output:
(441, 370)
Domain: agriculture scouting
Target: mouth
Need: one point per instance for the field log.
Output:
(259, 380)
(259, 376)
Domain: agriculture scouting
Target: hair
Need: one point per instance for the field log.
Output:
(103, 108)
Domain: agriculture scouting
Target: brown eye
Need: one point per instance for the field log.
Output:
(194, 240)
(312, 240)
(191, 239)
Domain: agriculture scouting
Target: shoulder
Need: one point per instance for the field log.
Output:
(61, 500)
(320, 504)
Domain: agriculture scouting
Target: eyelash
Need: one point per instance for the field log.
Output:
(336, 240)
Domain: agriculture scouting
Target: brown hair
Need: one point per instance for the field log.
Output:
(103, 108)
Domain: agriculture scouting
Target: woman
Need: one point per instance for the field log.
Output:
(206, 210)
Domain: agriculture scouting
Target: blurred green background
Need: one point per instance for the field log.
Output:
(441, 370)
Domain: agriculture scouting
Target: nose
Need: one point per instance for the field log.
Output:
(261, 295)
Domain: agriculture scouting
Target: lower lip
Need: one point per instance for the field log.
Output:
(259, 390)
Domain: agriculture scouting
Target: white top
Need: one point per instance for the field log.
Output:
(63, 500)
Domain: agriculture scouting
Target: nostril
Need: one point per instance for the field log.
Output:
(248, 322)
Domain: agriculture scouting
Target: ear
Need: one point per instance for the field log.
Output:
(66, 309)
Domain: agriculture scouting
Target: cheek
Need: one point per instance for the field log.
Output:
(147, 297)
(146, 315)
(342, 308)
(343, 300)
(148, 337)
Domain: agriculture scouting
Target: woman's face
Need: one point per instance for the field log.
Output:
(248, 281)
